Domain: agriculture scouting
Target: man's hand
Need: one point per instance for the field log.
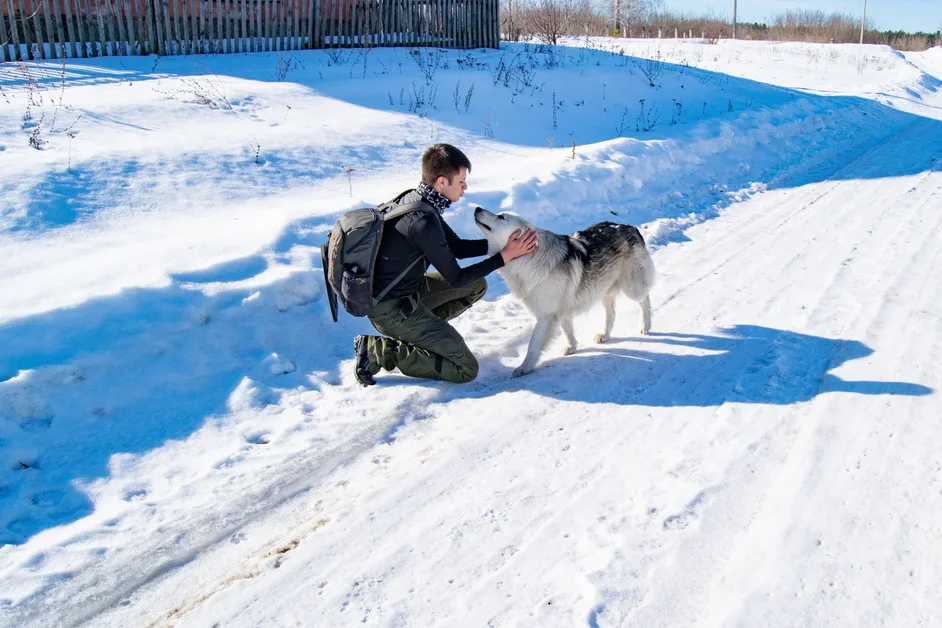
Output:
(518, 245)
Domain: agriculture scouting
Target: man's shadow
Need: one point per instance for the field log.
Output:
(741, 364)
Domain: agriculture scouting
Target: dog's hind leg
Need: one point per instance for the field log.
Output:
(645, 314)
(541, 333)
(609, 303)
(638, 292)
(566, 324)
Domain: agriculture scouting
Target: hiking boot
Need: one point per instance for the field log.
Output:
(361, 367)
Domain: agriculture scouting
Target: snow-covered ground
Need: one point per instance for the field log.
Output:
(182, 441)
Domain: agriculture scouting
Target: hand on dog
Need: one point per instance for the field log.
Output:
(519, 245)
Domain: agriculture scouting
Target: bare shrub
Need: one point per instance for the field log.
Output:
(814, 26)
(549, 20)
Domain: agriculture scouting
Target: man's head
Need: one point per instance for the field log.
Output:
(445, 168)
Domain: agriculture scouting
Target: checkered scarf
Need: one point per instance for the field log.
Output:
(433, 197)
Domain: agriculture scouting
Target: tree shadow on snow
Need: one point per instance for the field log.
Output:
(126, 373)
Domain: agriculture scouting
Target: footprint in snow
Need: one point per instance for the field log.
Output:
(226, 464)
(135, 494)
(281, 367)
(46, 499)
(21, 526)
(24, 463)
(678, 522)
(681, 520)
(260, 438)
(36, 425)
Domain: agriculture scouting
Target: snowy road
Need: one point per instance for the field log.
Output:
(778, 436)
(768, 456)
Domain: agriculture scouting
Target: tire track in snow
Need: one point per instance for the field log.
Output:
(769, 223)
(802, 447)
(808, 215)
(666, 384)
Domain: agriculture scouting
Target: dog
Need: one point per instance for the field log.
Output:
(566, 276)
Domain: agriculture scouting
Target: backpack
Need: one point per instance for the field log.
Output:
(349, 256)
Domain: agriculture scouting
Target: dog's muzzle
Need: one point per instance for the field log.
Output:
(478, 211)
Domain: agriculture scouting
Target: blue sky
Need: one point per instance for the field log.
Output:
(909, 15)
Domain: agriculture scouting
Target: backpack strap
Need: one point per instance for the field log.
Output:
(392, 202)
(389, 214)
(395, 281)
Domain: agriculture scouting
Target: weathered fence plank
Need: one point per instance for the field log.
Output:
(212, 27)
(243, 29)
(151, 28)
(14, 32)
(224, 15)
(100, 36)
(296, 9)
(121, 30)
(277, 23)
(129, 26)
(67, 15)
(6, 35)
(37, 49)
(50, 33)
(41, 29)
(24, 24)
(263, 25)
(111, 38)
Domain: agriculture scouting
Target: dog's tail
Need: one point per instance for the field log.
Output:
(647, 274)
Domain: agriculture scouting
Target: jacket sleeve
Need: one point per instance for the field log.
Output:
(428, 233)
(464, 249)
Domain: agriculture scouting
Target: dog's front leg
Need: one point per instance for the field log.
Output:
(537, 340)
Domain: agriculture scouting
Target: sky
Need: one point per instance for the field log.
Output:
(908, 15)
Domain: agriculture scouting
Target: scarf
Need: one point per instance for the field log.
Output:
(433, 197)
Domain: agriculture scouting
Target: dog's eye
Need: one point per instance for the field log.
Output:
(501, 217)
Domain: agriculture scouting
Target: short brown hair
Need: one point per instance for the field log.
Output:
(442, 160)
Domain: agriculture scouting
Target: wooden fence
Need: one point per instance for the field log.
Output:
(44, 29)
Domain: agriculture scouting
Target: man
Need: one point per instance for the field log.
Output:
(413, 315)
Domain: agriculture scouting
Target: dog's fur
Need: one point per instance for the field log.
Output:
(567, 275)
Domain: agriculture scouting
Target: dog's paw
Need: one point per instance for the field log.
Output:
(601, 338)
(644, 331)
(569, 349)
(520, 371)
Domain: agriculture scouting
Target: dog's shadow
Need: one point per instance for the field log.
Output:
(742, 364)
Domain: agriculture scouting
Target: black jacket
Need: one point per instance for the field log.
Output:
(424, 233)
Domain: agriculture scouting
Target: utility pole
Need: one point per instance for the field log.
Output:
(734, 17)
(863, 21)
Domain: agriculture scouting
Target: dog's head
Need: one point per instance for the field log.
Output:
(498, 228)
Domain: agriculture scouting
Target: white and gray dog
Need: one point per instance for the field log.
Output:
(567, 275)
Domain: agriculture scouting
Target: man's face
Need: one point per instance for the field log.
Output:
(454, 189)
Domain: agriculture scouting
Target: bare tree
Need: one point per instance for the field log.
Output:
(627, 13)
(551, 19)
(511, 24)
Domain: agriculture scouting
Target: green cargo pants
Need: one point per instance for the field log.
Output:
(420, 342)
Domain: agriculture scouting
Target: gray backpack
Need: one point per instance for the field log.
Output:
(349, 256)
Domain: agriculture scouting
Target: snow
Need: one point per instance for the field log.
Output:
(182, 441)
